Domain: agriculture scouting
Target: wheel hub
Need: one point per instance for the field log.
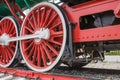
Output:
(44, 34)
(4, 37)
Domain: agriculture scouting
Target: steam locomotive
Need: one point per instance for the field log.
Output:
(74, 33)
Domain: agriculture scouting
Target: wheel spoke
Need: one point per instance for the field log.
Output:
(28, 29)
(4, 58)
(34, 55)
(48, 16)
(55, 42)
(2, 28)
(1, 54)
(13, 46)
(31, 52)
(57, 34)
(13, 34)
(43, 15)
(30, 45)
(11, 51)
(12, 29)
(51, 48)
(51, 21)
(38, 17)
(47, 53)
(7, 24)
(56, 25)
(0, 51)
(34, 20)
(31, 23)
(8, 53)
(43, 56)
(28, 41)
(9, 28)
(39, 56)
(4, 25)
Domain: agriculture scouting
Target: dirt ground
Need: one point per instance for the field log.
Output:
(110, 62)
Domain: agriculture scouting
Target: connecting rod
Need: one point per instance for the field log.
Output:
(41, 34)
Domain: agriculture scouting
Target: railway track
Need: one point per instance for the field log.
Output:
(60, 73)
(25, 74)
(89, 73)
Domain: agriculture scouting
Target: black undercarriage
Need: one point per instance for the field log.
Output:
(74, 2)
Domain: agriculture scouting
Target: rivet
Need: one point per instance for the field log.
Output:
(87, 37)
(103, 36)
(115, 34)
(92, 36)
(109, 35)
(97, 35)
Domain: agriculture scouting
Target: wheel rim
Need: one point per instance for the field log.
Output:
(43, 54)
(8, 52)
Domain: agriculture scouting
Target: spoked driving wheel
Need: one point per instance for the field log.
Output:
(42, 54)
(8, 52)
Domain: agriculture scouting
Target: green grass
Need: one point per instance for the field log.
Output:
(116, 52)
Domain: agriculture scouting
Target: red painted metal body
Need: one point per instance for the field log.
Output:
(35, 75)
(95, 34)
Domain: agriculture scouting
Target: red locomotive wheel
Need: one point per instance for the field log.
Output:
(42, 54)
(8, 52)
